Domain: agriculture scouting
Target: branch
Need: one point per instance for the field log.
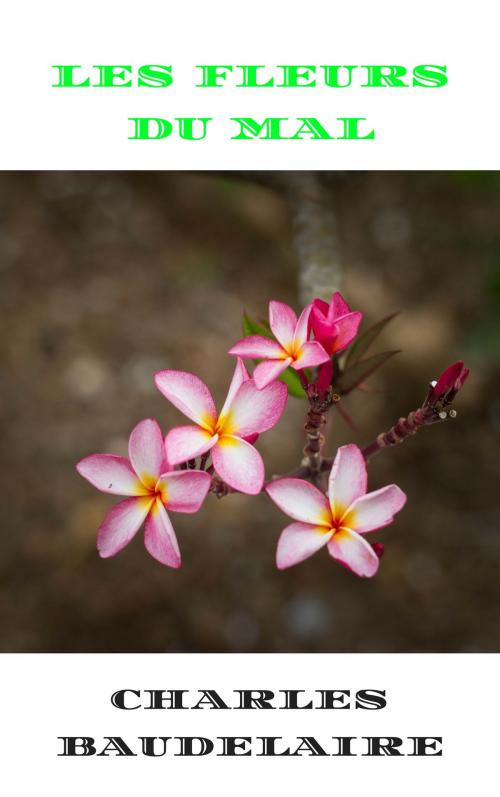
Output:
(319, 404)
(316, 236)
(404, 428)
(401, 431)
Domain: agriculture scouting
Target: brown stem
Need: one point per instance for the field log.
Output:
(404, 428)
(319, 404)
(219, 488)
(315, 439)
(203, 460)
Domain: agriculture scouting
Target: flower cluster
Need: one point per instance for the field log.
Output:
(327, 499)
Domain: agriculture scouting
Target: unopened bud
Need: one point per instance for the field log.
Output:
(443, 415)
(452, 414)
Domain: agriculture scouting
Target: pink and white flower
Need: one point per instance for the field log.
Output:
(151, 486)
(292, 346)
(339, 520)
(246, 413)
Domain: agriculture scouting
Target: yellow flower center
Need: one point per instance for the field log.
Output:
(343, 518)
(153, 488)
(223, 425)
(293, 351)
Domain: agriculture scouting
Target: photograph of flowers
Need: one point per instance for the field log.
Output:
(250, 411)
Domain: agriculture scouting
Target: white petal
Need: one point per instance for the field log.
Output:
(354, 552)
(146, 451)
(375, 510)
(159, 537)
(189, 394)
(299, 541)
(348, 479)
(300, 500)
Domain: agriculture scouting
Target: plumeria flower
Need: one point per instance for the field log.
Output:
(334, 325)
(292, 346)
(152, 486)
(246, 413)
(338, 521)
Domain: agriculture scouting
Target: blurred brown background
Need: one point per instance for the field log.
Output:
(107, 277)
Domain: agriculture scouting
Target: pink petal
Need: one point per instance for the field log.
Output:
(282, 321)
(187, 442)
(121, 524)
(166, 466)
(238, 464)
(338, 306)
(374, 510)
(185, 490)
(321, 307)
(335, 336)
(325, 331)
(256, 346)
(301, 333)
(255, 411)
(312, 353)
(354, 552)
(299, 541)
(110, 474)
(348, 479)
(146, 451)
(159, 537)
(300, 500)
(240, 375)
(269, 370)
(189, 394)
(347, 329)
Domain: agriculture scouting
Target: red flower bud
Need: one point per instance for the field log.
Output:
(379, 548)
(449, 383)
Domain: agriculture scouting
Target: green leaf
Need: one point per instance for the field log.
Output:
(292, 381)
(363, 341)
(247, 324)
(289, 377)
(251, 327)
(361, 370)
